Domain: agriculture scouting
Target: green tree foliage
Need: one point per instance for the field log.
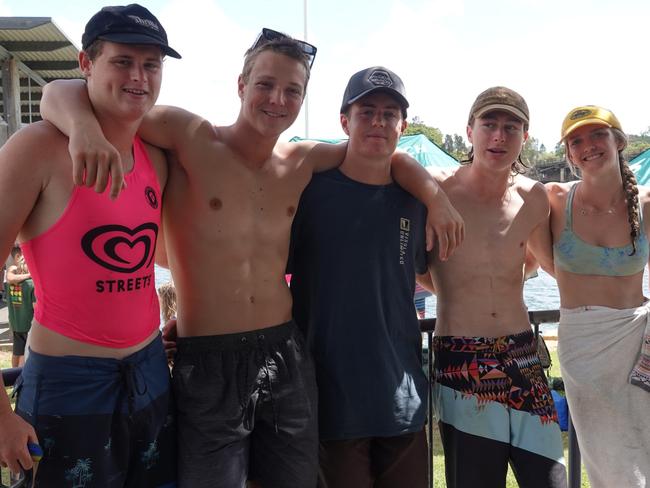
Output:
(460, 148)
(448, 145)
(637, 144)
(455, 146)
(417, 126)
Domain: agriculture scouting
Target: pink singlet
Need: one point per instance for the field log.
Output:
(93, 270)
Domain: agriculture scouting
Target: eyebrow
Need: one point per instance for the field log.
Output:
(386, 107)
(493, 116)
(274, 78)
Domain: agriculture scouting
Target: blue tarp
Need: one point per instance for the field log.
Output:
(426, 152)
(641, 167)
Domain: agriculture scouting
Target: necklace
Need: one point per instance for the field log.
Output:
(594, 211)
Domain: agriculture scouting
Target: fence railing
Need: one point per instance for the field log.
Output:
(427, 326)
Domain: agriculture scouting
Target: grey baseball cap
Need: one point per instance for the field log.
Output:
(374, 79)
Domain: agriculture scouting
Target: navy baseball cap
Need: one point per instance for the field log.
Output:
(130, 24)
(371, 80)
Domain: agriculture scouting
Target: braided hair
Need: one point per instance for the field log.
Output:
(630, 189)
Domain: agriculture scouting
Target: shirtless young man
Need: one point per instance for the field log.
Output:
(492, 399)
(245, 386)
(95, 387)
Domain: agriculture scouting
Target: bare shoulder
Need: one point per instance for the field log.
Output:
(295, 149)
(449, 178)
(313, 155)
(530, 188)
(31, 144)
(442, 174)
(557, 192)
(166, 114)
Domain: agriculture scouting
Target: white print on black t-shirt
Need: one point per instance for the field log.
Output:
(404, 232)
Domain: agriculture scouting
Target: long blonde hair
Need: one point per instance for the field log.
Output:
(167, 297)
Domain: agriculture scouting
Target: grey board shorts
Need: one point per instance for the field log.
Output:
(247, 409)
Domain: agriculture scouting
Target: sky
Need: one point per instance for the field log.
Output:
(558, 54)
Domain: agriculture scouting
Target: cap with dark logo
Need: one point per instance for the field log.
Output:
(588, 114)
(131, 24)
(500, 98)
(372, 80)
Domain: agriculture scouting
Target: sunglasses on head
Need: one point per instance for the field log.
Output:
(268, 35)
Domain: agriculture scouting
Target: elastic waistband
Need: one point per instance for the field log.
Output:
(237, 341)
(88, 365)
(468, 343)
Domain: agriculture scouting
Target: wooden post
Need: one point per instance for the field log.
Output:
(11, 94)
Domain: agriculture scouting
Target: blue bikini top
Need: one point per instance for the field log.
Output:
(572, 254)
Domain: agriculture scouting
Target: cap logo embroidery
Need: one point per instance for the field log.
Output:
(380, 78)
(145, 22)
(578, 114)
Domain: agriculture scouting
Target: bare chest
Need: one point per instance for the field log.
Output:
(496, 235)
(228, 198)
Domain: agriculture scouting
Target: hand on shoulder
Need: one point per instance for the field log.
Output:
(558, 191)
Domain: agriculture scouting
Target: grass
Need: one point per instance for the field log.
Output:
(439, 459)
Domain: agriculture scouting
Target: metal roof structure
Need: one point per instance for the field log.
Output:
(33, 51)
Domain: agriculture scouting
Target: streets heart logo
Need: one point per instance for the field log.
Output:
(120, 248)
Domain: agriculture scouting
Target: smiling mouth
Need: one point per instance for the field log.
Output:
(591, 157)
(133, 91)
(274, 115)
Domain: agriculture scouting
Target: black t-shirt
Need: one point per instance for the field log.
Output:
(355, 250)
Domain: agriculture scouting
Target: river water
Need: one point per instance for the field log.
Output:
(540, 293)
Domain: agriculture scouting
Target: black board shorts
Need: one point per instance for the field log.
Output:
(246, 409)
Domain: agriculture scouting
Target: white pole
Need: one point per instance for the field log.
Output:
(306, 102)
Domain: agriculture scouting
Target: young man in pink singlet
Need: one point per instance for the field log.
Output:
(94, 392)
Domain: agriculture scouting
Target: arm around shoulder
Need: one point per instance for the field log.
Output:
(444, 223)
(539, 251)
(323, 156)
(170, 127)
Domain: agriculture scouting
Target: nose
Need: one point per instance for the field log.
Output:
(499, 134)
(378, 120)
(137, 72)
(277, 96)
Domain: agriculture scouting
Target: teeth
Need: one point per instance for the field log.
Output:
(135, 92)
(593, 156)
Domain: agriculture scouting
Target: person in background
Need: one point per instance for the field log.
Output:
(20, 301)
(167, 297)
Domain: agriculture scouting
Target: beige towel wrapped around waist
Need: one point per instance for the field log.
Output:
(640, 375)
(598, 347)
